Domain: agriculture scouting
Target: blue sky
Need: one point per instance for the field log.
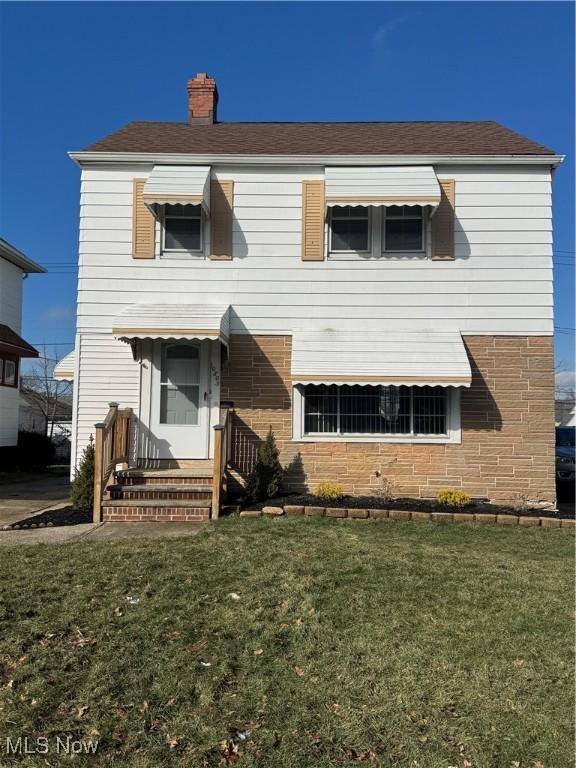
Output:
(73, 72)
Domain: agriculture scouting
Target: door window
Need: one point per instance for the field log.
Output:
(179, 384)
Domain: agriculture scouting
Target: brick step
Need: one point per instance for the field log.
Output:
(172, 491)
(192, 503)
(155, 510)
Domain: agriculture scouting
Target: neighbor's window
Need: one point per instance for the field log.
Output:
(349, 228)
(374, 410)
(182, 228)
(8, 372)
(404, 228)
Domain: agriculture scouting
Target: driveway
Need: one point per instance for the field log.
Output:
(21, 500)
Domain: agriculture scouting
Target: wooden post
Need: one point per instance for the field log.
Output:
(98, 460)
(217, 476)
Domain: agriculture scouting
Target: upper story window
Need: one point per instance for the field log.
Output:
(404, 228)
(182, 231)
(8, 371)
(371, 232)
(350, 229)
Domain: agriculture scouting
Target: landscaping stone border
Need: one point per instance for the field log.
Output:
(391, 515)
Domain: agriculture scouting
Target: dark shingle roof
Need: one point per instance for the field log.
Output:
(426, 138)
(10, 340)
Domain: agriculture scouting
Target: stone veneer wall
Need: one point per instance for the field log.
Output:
(507, 449)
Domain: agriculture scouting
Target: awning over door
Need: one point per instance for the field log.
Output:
(173, 321)
(420, 358)
(64, 370)
(173, 184)
(382, 186)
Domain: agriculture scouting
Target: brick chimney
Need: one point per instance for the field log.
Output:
(202, 99)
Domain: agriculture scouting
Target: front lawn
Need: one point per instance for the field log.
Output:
(287, 643)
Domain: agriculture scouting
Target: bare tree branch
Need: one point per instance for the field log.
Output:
(43, 390)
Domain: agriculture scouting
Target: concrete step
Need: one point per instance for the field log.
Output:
(163, 477)
(201, 469)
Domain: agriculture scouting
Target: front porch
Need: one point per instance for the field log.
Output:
(127, 489)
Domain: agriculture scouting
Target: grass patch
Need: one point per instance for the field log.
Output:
(379, 644)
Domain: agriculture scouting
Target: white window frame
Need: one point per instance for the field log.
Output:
(370, 232)
(182, 253)
(453, 433)
(425, 218)
(377, 233)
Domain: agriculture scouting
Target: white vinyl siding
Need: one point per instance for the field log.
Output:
(9, 400)
(107, 373)
(10, 295)
(499, 283)
(10, 315)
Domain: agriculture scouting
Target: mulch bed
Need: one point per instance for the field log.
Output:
(55, 517)
(410, 504)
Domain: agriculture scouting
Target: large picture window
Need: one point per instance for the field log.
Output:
(183, 228)
(375, 410)
(350, 229)
(404, 228)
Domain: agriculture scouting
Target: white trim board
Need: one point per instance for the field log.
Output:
(87, 158)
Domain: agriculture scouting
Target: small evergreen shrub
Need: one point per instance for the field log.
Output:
(329, 491)
(82, 490)
(264, 481)
(451, 497)
(34, 451)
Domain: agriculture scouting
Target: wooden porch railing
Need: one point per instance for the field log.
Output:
(111, 447)
(222, 453)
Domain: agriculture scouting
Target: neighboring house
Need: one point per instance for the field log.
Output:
(59, 424)
(380, 294)
(14, 267)
(566, 412)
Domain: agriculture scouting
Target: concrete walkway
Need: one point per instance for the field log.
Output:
(70, 534)
(19, 501)
(57, 535)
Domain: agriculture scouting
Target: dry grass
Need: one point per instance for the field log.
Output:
(289, 643)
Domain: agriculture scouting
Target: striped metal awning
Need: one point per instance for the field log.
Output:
(177, 184)
(382, 186)
(418, 358)
(66, 368)
(173, 321)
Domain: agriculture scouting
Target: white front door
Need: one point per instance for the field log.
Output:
(179, 403)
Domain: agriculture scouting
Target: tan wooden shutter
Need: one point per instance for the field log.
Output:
(221, 209)
(443, 223)
(143, 224)
(313, 205)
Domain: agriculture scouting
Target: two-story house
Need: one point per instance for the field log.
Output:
(378, 293)
(14, 268)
